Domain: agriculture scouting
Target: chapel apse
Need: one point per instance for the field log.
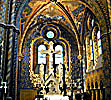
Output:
(25, 82)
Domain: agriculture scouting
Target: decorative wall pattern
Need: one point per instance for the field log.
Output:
(25, 64)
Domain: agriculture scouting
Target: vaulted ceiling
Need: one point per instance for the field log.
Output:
(67, 12)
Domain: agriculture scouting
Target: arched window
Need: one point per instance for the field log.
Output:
(92, 22)
(50, 34)
(59, 57)
(99, 43)
(91, 44)
(79, 29)
(41, 57)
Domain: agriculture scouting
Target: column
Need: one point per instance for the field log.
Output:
(109, 9)
(1, 50)
(20, 58)
(98, 94)
(88, 52)
(11, 40)
(101, 95)
(9, 76)
(94, 94)
(81, 72)
(95, 46)
(90, 94)
(12, 36)
(106, 64)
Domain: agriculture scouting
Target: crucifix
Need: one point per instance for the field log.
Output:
(50, 51)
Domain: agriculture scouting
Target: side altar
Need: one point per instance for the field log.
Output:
(56, 80)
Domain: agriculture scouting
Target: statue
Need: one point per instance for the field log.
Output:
(60, 69)
(52, 87)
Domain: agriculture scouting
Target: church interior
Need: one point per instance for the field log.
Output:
(55, 50)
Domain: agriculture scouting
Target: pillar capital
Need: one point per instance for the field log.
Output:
(79, 57)
(20, 56)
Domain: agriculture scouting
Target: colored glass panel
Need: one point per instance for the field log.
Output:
(59, 57)
(41, 57)
(50, 34)
(99, 43)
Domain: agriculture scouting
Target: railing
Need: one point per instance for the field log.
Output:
(27, 94)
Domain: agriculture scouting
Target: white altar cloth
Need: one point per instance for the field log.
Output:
(54, 97)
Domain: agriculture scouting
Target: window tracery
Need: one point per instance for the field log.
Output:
(93, 43)
(93, 49)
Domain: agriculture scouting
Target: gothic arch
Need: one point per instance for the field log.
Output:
(42, 8)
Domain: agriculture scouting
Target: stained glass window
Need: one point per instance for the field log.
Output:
(50, 34)
(92, 22)
(59, 57)
(91, 43)
(41, 57)
(99, 43)
(79, 29)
